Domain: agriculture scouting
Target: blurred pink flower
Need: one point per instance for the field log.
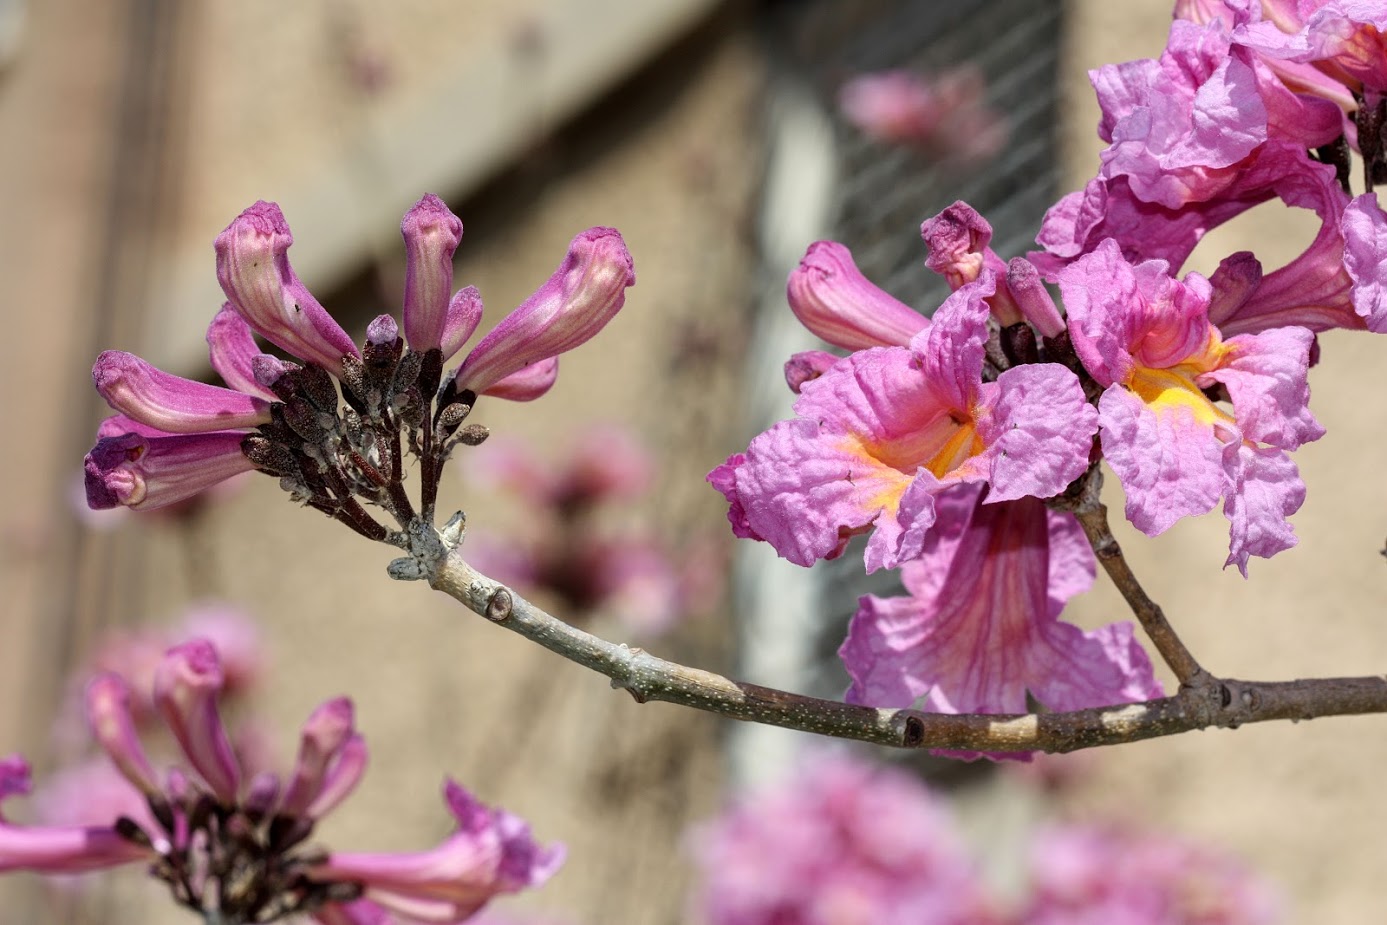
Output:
(945, 115)
(564, 546)
(840, 843)
(1097, 876)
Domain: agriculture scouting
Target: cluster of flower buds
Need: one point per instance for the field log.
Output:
(842, 841)
(173, 437)
(943, 438)
(234, 847)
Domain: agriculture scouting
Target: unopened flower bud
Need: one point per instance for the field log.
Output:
(431, 234)
(186, 685)
(831, 297)
(586, 292)
(170, 403)
(253, 269)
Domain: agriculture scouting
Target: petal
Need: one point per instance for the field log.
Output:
(979, 630)
(1170, 463)
(1038, 427)
(951, 350)
(464, 314)
(831, 297)
(170, 403)
(1265, 375)
(585, 292)
(431, 234)
(1365, 258)
(64, 849)
(1266, 489)
(254, 272)
(724, 479)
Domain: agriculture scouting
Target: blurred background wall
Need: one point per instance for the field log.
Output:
(135, 130)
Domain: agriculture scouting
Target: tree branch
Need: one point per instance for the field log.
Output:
(1211, 702)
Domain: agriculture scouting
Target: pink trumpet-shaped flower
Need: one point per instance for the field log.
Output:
(431, 234)
(838, 842)
(142, 471)
(324, 735)
(836, 303)
(112, 725)
(879, 435)
(1147, 339)
(254, 272)
(585, 292)
(491, 853)
(980, 629)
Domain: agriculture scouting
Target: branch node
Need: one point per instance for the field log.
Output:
(914, 732)
(498, 608)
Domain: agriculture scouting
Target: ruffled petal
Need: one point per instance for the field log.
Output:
(1170, 463)
(1266, 489)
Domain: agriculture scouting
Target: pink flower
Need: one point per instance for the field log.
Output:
(879, 435)
(945, 115)
(1179, 128)
(1147, 340)
(839, 842)
(980, 630)
(1096, 876)
(193, 827)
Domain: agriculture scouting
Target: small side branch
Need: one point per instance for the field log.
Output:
(1093, 517)
(1225, 703)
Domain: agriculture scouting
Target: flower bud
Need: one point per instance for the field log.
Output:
(431, 236)
(831, 297)
(326, 731)
(464, 314)
(186, 685)
(585, 292)
(170, 403)
(232, 349)
(1032, 298)
(113, 727)
(253, 269)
